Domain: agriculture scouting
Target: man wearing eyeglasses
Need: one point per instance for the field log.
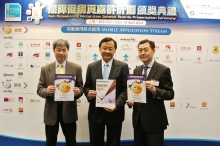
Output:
(60, 112)
(150, 118)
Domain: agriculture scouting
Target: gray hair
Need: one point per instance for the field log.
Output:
(60, 42)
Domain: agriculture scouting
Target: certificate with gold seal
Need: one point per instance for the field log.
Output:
(106, 93)
(136, 88)
(64, 84)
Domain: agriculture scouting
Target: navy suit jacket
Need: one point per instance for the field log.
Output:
(153, 113)
(47, 77)
(119, 71)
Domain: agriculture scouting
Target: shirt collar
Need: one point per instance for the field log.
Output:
(150, 64)
(63, 64)
(109, 63)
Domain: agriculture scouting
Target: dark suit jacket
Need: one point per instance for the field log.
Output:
(47, 77)
(153, 114)
(119, 71)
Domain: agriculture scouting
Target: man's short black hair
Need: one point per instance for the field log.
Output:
(107, 39)
(152, 44)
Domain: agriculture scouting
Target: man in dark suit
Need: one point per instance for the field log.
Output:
(111, 117)
(150, 119)
(63, 112)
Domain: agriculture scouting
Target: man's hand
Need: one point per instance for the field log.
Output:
(92, 94)
(76, 91)
(110, 109)
(50, 89)
(150, 86)
(130, 103)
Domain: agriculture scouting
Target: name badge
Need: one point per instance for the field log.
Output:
(155, 82)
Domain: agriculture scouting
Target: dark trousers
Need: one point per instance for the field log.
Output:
(142, 138)
(69, 130)
(97, 132)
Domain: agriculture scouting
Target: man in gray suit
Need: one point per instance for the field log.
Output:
(63, 112)
(150, 119)
(111, 117)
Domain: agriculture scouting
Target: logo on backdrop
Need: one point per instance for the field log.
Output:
(35, 12)
(204, 106)
(191, 106)
(8, 110)
(34, 101)
(36, 55)
(78, 56)
(8, 55)
(7, 84)
(8, 65)
(167, 59)
(185, 59)
(8, 75)
(167, 48)
(172, 104)
(20, 66)
(125, 58)
(78, 44)
(199, 60)
(20, 110)
(215, 50)
(20, 44)
(47, 55)
(185, 48)
(20, 55)
(95, 57)
(20, 100)
(8, 45)
(125, 47)
(199, 49)
(9, 99)
(34, 45)
(7, 29)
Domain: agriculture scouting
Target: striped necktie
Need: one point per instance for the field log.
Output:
(145, 71)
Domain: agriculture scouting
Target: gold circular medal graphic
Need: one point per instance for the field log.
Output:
(136, 88)
(7, 29)
(64, 87)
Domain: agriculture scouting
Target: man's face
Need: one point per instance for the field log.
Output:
(107, 50)
(145, 53)
(61, 53)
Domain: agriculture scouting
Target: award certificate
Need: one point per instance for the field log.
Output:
(106, 93)
(136, 88)
(64, 84)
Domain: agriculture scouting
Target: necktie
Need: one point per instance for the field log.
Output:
(145, 71)
(105, 71)
(60, 71)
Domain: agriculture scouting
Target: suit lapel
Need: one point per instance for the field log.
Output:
(51, 73)
(68, 69)
(152, 71)
(139, 70)
(114, 70)
(98, 70)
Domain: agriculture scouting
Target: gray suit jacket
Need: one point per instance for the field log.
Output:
(47, 77)
(153, 114)
(119, 71)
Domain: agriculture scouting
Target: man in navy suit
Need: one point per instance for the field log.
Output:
(150, 118)
(63, 112)
(111, 117)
